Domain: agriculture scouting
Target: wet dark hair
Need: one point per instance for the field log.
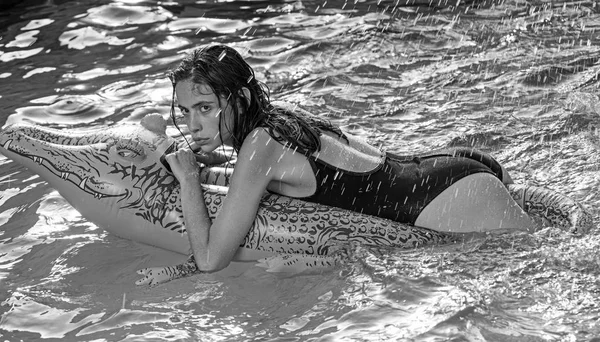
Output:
(226, 72)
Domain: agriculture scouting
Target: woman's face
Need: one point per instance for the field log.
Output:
(201, 111)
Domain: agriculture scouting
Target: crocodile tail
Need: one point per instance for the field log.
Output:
(549, 208)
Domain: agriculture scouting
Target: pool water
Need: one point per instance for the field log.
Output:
(515, 78)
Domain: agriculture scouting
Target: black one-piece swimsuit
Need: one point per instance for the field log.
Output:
(401, 186)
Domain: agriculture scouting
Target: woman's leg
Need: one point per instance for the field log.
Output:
(476, 203)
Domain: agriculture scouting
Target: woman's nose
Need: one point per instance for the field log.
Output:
(194, 124)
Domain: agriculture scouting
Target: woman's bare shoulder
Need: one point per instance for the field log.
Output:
(257, 140)
(259, 146)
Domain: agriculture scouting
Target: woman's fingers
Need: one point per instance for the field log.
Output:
(187, 158)
(200, 156)
(183, 164)
(187, 145)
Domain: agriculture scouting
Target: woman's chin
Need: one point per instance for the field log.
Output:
(207, 148)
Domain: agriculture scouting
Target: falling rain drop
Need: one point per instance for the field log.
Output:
(250, 78)
(222, 55)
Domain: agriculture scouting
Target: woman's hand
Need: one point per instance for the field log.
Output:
(187, 144)
(201, 156)
(184, 165)
(207, 158)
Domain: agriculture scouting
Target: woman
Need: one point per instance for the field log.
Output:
(290, 152)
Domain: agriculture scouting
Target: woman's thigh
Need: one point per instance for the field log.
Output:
(476, 203)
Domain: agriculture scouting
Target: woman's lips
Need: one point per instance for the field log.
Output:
(202, 141)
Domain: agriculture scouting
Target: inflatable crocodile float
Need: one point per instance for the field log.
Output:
(116, 177)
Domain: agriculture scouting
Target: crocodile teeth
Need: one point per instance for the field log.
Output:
(64, 175)
(7, 144)
(37, 160)
(97, 195)
(82, 184)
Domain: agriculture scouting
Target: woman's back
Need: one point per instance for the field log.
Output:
(295, 171)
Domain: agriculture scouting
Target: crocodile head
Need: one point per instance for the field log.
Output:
(113, 176)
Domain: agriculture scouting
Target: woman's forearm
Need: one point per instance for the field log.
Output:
(198, 223)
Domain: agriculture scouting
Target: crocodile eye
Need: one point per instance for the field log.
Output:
(129, 149)
(128, 154)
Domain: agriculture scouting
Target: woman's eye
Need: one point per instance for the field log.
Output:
(204, 109)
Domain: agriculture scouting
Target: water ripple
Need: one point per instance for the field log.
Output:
(518, 79)
(116, 15)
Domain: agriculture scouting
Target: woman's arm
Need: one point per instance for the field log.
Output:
(215, 243)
